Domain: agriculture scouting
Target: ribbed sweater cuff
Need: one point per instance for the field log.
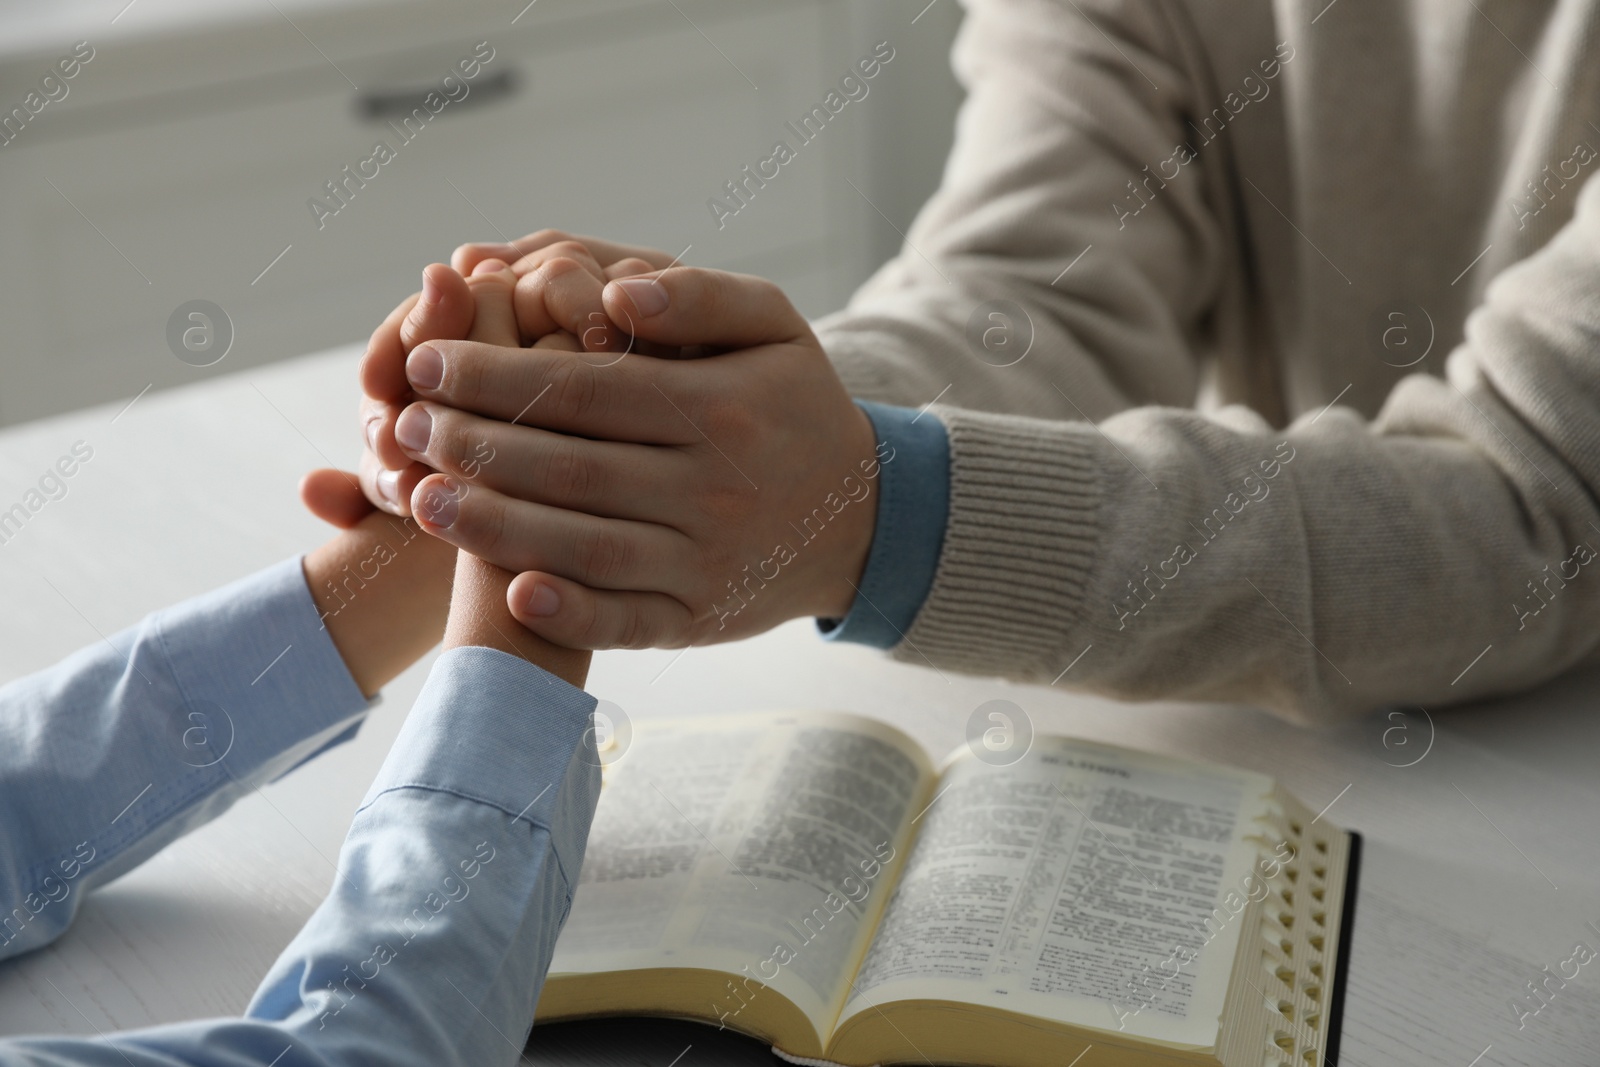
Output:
(1018, 545)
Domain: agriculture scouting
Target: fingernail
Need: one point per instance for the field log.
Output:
(414, 428)
(388, 483)
(425, 367)
(648, 295)
(430, 289)
(441, 504)
(542, 601)
(489, 266)
(371, 433)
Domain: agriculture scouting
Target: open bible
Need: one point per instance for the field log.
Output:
(812, 880)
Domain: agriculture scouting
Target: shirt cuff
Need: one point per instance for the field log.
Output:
(495, 729)
(913, 505)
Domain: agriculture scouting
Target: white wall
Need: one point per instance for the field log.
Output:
(180, 163)
(911, 134)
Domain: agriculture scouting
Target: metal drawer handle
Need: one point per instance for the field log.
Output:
(379, 106)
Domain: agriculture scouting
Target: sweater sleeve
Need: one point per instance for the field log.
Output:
(1025, 285)
(1433, 554)
(1439, 553)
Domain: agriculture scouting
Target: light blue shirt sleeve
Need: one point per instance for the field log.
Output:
(453, 883)
(913, 506)
(130, 743)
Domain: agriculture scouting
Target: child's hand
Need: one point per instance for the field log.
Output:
(478, 612)
(335, 496)
(381, 625)
(382, 587)
(559, 281)
(444, 309)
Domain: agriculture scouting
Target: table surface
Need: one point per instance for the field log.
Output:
(1481, 866)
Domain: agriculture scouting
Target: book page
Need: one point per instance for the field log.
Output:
(1065, 886)
(763, 846)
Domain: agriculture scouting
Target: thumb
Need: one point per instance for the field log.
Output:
(334, 496)
(695, 306)
(443, 312)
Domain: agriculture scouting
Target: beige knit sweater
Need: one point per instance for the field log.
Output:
(1216, 218)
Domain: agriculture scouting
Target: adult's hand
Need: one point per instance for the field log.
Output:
(653, 503)
(557, 288)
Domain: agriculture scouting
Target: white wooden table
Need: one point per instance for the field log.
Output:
(1481, 863)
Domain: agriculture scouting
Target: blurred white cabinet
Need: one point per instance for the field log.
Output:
(182, 163)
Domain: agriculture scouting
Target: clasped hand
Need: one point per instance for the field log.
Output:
(667, 459)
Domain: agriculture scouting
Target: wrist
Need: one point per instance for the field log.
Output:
(480, 618)
(382, 588)
(857, 522)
